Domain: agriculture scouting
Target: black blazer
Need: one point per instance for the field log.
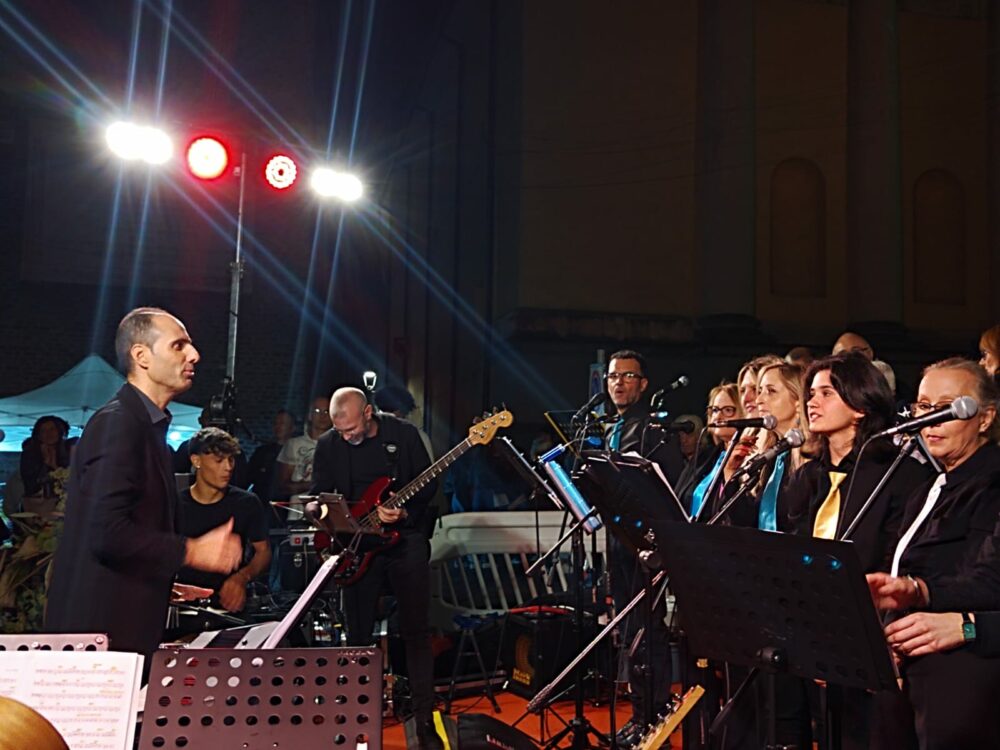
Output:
(332, 466)
(119, 550)
(649, 441)
(954, 551)
(875, 535)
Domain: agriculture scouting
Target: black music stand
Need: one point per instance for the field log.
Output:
(632, 493)
(777, 602)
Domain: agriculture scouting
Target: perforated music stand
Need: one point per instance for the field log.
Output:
(308, 697)
(777, 602)
(54, 642)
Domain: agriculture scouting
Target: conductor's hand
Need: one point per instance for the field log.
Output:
(891, 592)
(218, 550)
(390, 515)
(233, 593)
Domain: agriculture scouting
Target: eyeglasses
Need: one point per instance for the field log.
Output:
(319, 411)
(726, 411)
(614, 377)
(922, 407)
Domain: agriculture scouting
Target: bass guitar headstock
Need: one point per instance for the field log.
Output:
(485, 430)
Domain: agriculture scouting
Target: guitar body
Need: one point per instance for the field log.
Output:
(358, 551)
(355, 562)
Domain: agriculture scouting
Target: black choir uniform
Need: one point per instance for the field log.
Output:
(396, 451)
(874, 540)
(636, 434)
(953, 693)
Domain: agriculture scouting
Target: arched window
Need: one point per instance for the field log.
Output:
(798, 230)
(939, 254)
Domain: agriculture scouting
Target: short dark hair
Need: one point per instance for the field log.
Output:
(629, 354)
(213, 440)
(862, 387)
(61, 424)
(135, 328)
(395, 399)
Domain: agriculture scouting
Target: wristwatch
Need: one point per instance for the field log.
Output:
(968, 628)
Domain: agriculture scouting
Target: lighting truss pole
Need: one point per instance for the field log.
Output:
(236, 274)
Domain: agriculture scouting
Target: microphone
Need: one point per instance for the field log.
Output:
(657, 398)
(768, 422)
(662, 420)
(963, 407)
(793, 439)
(3, 436)
(596, 400)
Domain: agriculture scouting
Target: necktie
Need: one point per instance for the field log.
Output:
(825, 525)
(767, 518)
(699, 492)
(615, 441)
(925, 511)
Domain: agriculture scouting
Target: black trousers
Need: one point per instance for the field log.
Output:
(406, 570)
(628, 578)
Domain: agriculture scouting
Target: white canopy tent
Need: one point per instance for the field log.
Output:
(75, 396)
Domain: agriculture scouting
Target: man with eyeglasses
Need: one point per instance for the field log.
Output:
(633, 432)
(295, 461)
(364, 446)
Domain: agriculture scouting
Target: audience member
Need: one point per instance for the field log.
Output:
(295, 461)
(42, 454)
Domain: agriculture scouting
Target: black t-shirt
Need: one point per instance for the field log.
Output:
(195, 519)
(368, 462)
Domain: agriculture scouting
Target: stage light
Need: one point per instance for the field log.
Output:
(139, 143)
(207, 158)
(280, 172)
(370, 378)
(330, 183)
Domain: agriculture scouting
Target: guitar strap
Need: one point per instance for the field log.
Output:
(390, 444)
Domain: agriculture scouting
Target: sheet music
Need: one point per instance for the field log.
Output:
(89, 696)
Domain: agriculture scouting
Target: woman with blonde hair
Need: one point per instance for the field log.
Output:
(779, 394)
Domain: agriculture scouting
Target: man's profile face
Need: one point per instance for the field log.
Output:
(214, 469)
(169, 361)
(626, 382)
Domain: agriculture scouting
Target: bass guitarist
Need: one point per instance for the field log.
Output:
(363, 447)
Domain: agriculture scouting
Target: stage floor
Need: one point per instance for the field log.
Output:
(511, 709)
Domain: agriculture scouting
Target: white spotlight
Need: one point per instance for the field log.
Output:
(350, 188)
(324, 182)
(330, 183)
(124, 140)
(133, 143)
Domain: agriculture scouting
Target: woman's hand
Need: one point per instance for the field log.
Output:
(923, 633)
(746, 446)
(891, 592)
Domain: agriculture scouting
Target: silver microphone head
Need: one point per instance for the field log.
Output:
(770, 421)
(965, 407)
(794, 438)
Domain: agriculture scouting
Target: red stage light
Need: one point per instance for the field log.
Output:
(207, 158)
(280, 172)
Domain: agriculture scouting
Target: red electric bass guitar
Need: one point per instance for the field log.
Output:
(357, 554)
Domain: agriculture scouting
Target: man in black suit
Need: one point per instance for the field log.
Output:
(119, 552)
(632, 431)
